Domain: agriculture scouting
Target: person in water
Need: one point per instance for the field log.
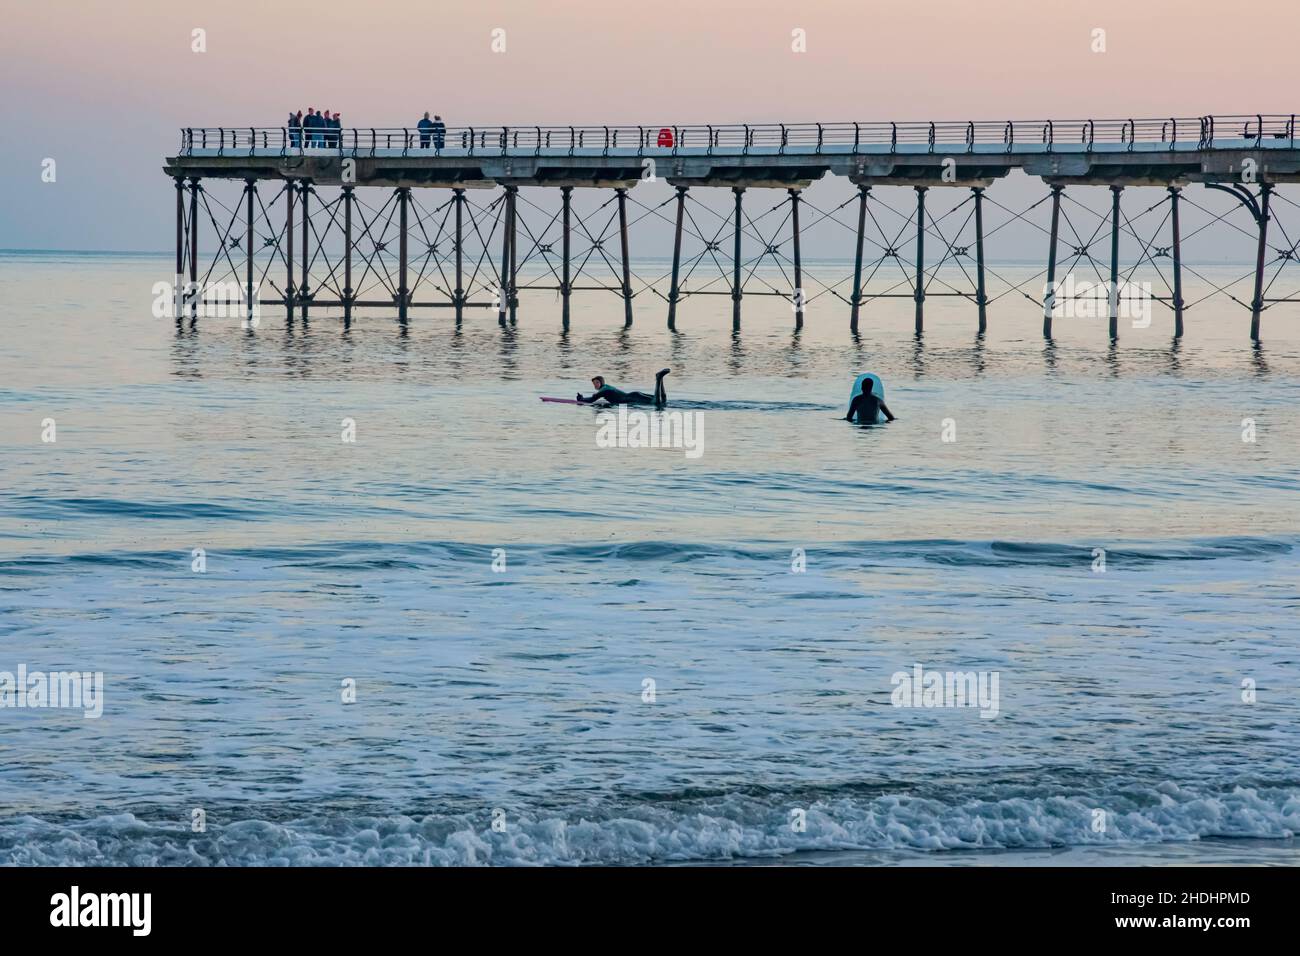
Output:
(616, 396)
(864, 406)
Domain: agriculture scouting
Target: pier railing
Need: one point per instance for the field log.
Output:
(1196, 132)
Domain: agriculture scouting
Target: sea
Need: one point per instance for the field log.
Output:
(354, 595)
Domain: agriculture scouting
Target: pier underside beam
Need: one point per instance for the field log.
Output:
(368, 272)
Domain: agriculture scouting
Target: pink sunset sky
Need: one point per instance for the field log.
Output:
(102, 87)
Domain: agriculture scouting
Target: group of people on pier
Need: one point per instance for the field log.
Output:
(323, 131)
(315, 129)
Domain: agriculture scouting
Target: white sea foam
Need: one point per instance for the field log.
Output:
(722, 828)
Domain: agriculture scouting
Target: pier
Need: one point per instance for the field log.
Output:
(454, 212)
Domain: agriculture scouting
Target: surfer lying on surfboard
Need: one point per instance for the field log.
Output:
(616, 396)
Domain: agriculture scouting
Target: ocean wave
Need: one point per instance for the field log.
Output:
(429, 555)
(716, 828)
(53, 508)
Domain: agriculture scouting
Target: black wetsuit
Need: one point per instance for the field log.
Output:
(864, 409)
(616, 396)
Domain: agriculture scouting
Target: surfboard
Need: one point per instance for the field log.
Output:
(561, 401)
(877, 389)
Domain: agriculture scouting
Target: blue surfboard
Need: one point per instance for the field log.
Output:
(877, 389)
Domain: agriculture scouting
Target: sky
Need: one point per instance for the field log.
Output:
(103, 87)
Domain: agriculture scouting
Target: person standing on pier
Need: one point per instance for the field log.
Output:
(425, 126)
(309, 128)
(295, 128)
(439, 131)
(338, 130)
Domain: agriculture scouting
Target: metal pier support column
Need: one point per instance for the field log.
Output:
(289, 190)
(736, 294)
(1257, 304)
(304, 288)
(798, 261)
(627, 268)
(674, 289)
(403, 292)
(250, 190)
(1049, 295)
(348, 296)
(507, 228)
(1174, 194)
(981, 299)
(178, 292)
(920, 259)
(459, 199)
(1114, 261)
(857, 258)
(514, 255)
(566, 284)
(193, 289)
